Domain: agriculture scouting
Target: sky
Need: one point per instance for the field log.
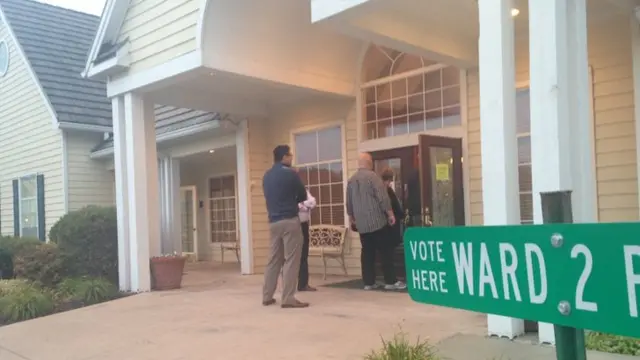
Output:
(88, 6)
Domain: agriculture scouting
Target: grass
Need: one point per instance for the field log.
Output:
(612, 343)
(401, 348)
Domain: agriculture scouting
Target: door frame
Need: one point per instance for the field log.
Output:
(457, 146)
(194, 204)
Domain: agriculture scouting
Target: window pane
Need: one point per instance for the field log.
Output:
(370, 113)
(451, 96)
(330, 144)
(434, 119)
(337, 215)
(523, 115)
(432, 80)
(383, 110)
(524, 178)
(336, 171)
(369, 94)
(314, 175)
(416, 84)
(383, 92)
(337, 194)
(451, 117)
(526, 207)
(323, 174)
(306, 148)
(28, 187)
(524, 150)
(450, 76)
(325, 195)
(416, 103)
(399, 88)
(433, 100)
(416, 122)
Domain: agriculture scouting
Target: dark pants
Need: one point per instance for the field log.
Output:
(303, 275)
(378, 241)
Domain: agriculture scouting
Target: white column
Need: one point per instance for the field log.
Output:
(122, 199)
(561, 136)
(498, 131)
(142, 180)
(244, 198)
(169, 174)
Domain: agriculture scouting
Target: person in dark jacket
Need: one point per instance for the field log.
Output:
(387, 176)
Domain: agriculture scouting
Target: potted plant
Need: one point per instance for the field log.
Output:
(166, 271)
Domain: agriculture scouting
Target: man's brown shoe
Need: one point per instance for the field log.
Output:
(308, 288)
(269, 302)
(295, 305)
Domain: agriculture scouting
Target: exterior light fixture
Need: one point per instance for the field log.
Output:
(515, 12)
(211, 151)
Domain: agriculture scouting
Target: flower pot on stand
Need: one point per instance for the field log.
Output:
(166, 272)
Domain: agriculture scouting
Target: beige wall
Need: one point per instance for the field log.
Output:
(610, 59)
(90, 182)
(159, 31)
(29, 144)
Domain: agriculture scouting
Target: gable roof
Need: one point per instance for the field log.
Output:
(56, 42)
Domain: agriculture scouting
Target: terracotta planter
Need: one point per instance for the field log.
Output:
(166, 272)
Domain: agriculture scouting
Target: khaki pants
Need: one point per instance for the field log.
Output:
(285, 251)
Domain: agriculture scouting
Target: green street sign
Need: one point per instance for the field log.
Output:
(585, 276)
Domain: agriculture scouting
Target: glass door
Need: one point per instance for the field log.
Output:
(188, 206)
(441, 183)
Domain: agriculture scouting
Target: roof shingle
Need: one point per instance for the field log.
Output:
(56, 42)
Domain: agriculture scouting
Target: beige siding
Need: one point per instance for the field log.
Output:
(29, 144)
(309, 115)
(610, 59)
(159, 31)
(89, 181)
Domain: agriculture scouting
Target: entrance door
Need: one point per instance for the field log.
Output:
(188, 211)
(441, 184)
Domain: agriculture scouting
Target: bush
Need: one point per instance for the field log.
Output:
(399, 348)
(88, 241)
(87, 291)
(10, 247)
(24, 302)
(9, 286)
(612, 343)
(41, 264)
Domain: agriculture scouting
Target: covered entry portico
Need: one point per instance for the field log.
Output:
(556, 71)
(283, 77)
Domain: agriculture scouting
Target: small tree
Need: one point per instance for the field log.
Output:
(88, 241)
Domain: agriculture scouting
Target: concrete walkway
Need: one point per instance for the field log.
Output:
(218, 315)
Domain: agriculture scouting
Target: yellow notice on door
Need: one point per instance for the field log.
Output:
(442, 172)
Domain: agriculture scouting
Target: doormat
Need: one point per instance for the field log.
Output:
(357, 284)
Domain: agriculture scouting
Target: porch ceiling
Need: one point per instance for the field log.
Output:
(442, 30)
(218, 91)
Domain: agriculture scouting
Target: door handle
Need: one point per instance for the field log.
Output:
(426, 216)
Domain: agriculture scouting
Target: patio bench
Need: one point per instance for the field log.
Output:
(328, 242)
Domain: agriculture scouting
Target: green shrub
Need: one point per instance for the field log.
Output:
(9, 286)
(88, 241)
(24, 303)
(400, 348)
(15, 245)
(612, 343)
(10, 247)
(87, 290)
(41, 264)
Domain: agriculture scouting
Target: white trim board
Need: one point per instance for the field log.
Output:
(111, 20)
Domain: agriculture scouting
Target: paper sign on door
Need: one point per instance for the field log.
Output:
(442, 172)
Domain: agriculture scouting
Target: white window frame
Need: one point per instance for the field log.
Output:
(208, 206)
(363, 137)
(21, 200)
(343, 144)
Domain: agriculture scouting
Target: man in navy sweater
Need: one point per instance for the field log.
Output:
(283, 191)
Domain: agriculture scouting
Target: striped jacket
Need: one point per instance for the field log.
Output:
(367, 201)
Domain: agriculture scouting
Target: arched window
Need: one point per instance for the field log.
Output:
(404, 93)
